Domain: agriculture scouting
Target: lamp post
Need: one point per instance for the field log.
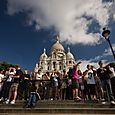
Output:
(106, 34)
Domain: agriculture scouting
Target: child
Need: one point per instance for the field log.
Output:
(33, 97)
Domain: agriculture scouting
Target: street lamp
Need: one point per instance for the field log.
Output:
(106, 34)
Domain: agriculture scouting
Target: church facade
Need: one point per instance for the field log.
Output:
(57, 60)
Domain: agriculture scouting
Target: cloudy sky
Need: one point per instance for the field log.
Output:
(28, 26)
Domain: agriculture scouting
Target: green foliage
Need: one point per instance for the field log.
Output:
(112, 64)
(5, 66)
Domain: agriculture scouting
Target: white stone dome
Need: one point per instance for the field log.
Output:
(69, 55)
(57, 46)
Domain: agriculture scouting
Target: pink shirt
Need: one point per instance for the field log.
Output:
(75, 74)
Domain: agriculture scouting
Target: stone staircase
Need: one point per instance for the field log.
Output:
(59, 107)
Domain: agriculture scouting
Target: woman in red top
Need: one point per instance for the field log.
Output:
(75, 82)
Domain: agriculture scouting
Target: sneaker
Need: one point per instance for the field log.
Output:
(103, 102)
(51, 99)
(78, 98)
(12, 102)
(7, 101)
(1, 99)
(102, 99)
(113, 102)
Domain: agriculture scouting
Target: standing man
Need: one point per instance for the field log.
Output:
(103, 73)
(26, 84)
(14, 86)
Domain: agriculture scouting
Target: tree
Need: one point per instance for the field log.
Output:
(5, 66)
(112, 64)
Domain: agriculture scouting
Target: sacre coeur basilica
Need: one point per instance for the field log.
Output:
(57, 60)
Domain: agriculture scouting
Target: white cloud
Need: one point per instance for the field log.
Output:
(105, 54)
(108, 51)
(83, 65)
(112, 9)
(71, 18)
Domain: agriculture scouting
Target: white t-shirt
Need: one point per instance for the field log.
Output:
(113, 72)
(38, 76)
(91, 79)
(9, 78)
(1, 77)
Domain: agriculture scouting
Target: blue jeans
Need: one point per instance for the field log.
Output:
(32, 99)
(106, 84)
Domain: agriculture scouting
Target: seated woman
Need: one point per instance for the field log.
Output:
(33, 97)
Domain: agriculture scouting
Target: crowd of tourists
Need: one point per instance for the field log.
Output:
(94, 84)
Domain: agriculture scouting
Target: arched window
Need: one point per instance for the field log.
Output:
(60, 67)
(54, 65)
(69, 62)
(54, 55)
(48, 68)
(60, 63)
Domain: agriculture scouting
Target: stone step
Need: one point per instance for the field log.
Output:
(67, 106)
(73, 105)
(59, 110)
(59, 104)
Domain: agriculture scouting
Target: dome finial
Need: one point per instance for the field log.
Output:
(44, 50)
(57, 39)
(68, 49)
(57, 45)
(69, 54)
